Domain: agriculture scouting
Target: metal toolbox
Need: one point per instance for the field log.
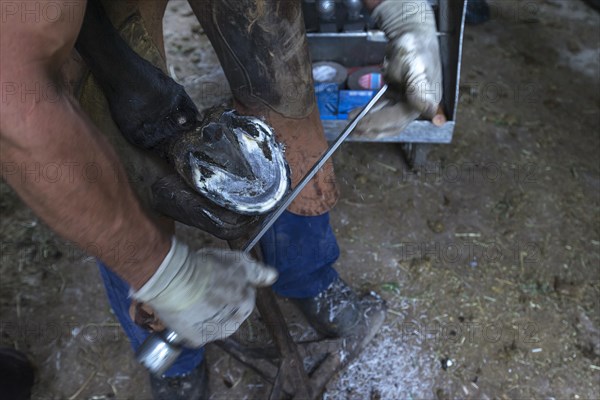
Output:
(367, 47)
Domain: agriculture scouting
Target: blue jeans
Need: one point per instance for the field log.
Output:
(302, 249)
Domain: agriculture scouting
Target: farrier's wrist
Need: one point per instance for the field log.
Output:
(180, 281)
(162, 274)
(148, 258)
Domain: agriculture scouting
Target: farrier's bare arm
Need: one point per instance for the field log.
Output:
(44, 135)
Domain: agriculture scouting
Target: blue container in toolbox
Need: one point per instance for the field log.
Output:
(351, 99)
(327, 99)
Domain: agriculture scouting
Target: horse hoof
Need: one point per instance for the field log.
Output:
(234, 161)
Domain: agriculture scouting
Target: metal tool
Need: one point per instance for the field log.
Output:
(160, 350)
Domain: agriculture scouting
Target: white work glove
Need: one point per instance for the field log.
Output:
(204, 295)
(412, 67)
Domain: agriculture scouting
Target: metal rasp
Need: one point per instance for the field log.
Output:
(270, 220)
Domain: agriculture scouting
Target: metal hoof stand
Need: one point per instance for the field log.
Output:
(282, 366)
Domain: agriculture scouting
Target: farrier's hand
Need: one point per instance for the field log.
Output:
(412, 67)
(204, 295)
(412, 63)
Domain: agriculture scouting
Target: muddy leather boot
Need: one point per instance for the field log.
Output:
(193, 386)
(339, 312)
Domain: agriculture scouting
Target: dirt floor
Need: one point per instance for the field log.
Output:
(488, 257)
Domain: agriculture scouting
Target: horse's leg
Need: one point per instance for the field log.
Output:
(148, 106)
(263, 50)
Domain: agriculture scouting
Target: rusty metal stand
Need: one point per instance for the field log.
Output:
(282, 366)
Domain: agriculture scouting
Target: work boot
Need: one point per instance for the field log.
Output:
(339, 312)
(193, 386)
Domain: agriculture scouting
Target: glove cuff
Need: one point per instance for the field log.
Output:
(396, 17)
(166, 272)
